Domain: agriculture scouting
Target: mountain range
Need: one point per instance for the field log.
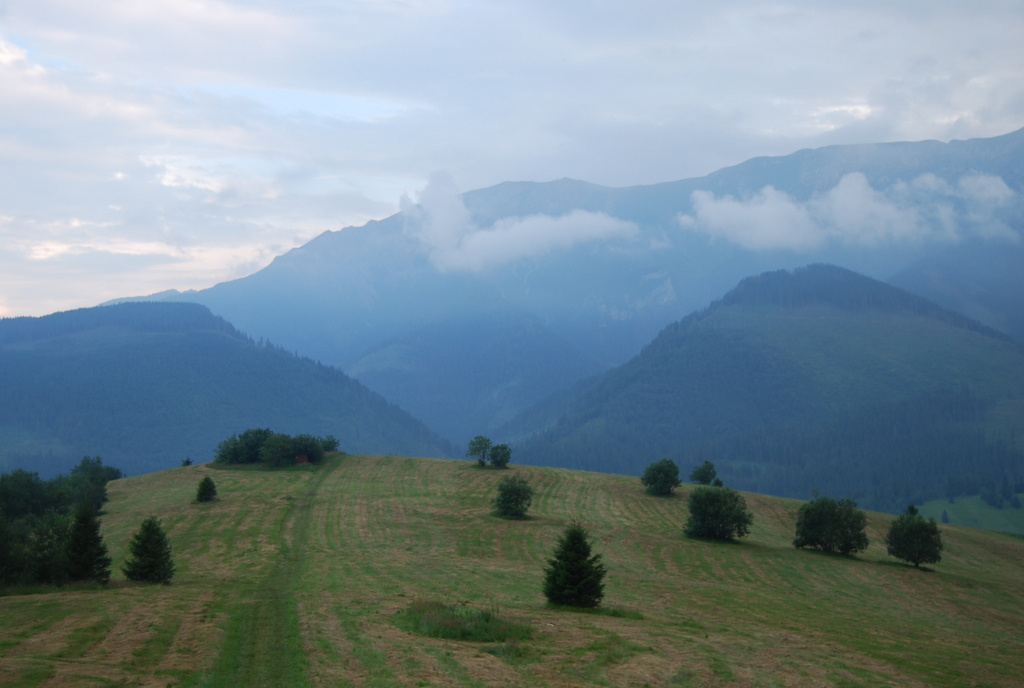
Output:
(845, 320)
(467, 309)
(817, 379)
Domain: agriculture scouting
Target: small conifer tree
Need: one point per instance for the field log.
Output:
(150, 559)
(574, 576)
(207, 490)
(87, 554)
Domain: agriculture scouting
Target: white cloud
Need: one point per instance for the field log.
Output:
(444, 228)
(852, 212)
(265, 122)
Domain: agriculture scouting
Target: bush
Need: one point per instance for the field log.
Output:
(574, 577)
(459, 622)
(150, 554)
(661, 477)
(244, 448)
(704, 474)
(914, 539)
(718, 513)
(514, 497)
(207, 490)
(831, 526)
(500, 455)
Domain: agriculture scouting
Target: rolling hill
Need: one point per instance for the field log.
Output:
(301, 578)
(145, 385)
(602, 270)
(815, 379)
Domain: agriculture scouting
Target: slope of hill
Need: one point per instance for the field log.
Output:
(300, 577)
(146, 384)
(819, 379)
(603, 270)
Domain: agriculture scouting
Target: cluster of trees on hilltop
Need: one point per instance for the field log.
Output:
(49, 531)
(263, 445)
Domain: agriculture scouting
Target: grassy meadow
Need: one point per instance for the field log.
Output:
(303, 577)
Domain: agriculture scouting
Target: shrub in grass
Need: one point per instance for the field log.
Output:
(460, 622)
(207, 490)
(914, 539)
(831, 526)
(500, 455)
(661, 477)
(718, 513)
(514, 497)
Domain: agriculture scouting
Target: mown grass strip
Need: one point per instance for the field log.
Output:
(262, 644)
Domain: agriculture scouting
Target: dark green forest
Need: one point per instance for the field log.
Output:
(148, 384)
(816, 380)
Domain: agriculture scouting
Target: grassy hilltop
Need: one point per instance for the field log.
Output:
(300, 578)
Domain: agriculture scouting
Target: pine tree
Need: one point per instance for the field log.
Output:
(207, 490)
(150, 560)
(87, 554)
(574, 576)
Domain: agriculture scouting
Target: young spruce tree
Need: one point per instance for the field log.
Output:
(87, 554)
(207, 490)
(574, 577)
(150, 559)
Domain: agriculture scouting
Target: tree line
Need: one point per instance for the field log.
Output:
(50, 530)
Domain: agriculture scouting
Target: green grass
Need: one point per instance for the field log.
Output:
(975, 513)
(455, 621)
(303, 578)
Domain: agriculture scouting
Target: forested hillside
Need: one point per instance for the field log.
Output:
(145, 385)
(819, 379)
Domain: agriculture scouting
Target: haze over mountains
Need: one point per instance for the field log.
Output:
(531, 312)
(467, 309)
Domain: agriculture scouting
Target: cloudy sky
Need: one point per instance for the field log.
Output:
(179, 143)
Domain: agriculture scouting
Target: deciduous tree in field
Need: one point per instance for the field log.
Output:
(150, 554)
(718, 513)
(704, 474)
(479, 447)
(831, 526)
(500, 455)
(514, 497)
(914, 539)
(574, 577)
(661, 477)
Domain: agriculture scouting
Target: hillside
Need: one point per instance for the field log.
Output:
(816, 379)
(299, 578)
(145, 385)
(602, 270)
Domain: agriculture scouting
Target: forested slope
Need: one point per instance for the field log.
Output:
(819, 379)
(144, 385)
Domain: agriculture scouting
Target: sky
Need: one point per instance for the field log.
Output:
(180, 143)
